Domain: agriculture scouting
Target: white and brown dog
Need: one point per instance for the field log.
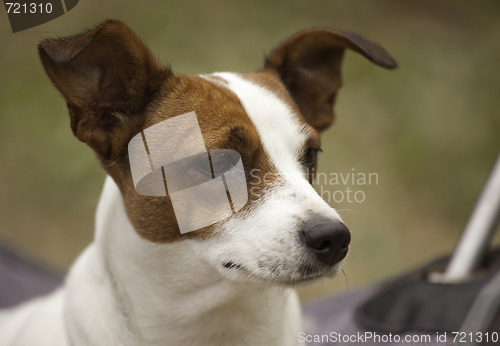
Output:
(142, 282)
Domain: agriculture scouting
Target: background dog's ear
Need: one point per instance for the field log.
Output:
(309, 64)
(107, 77)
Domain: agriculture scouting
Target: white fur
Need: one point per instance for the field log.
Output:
(125, 290)
(265, 241)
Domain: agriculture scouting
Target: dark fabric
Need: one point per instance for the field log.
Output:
(483, 311)
(412, 303)
(333, 320)
(23, 278)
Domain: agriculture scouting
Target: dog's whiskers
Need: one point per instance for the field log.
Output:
(345, 277)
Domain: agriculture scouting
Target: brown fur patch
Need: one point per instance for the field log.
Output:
(224, 125)
(115, 88)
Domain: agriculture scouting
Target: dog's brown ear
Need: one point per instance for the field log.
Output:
(309, 64)
(108, 77)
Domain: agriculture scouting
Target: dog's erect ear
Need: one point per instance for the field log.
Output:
(108, 77)
(309, 64)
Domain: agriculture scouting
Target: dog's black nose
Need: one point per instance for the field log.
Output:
(328, 240)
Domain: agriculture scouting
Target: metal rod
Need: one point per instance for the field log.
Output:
(473, 244)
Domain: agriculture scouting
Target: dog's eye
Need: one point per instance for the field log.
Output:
(309, 159)
(190, 171)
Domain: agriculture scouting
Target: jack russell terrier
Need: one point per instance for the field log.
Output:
(142, 281)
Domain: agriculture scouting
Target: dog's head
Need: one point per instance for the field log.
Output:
(285, 233)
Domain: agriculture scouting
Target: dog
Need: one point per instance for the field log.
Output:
(143, 282)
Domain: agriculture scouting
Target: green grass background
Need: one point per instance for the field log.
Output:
(430, 129)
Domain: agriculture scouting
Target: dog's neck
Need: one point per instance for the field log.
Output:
(157, 294)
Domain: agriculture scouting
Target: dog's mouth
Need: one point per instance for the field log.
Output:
(305, 274)
(231, 265)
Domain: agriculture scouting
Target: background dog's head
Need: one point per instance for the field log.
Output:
(115, 88)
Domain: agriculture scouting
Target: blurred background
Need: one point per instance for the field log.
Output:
(429, 130)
